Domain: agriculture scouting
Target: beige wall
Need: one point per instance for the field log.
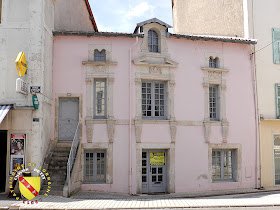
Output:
(72, 15)
(268, 128)
(209, 17)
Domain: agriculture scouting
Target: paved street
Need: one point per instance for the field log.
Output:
(94, 200)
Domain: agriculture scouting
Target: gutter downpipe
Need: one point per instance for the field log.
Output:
(130, 117)
(258, 140)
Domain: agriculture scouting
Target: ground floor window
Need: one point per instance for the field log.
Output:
(223, 165)
(95, 166)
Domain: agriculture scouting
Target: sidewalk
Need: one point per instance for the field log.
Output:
(95, 200)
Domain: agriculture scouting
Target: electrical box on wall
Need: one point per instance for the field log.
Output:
(21, 86)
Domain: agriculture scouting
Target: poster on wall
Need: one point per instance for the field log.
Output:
(17, 151)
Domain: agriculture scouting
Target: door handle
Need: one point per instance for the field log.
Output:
(150, 169)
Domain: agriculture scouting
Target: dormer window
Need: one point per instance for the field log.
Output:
(153, 41)
(100, 56)
(214, 62)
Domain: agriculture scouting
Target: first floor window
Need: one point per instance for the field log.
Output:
(154, 99)
(95, 166)
(100, 105)
(223, 165)
(213, 102)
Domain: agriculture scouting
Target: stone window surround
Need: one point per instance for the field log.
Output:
(238, 148)
(67, 95)
(108, 147)
(99, 70)
(170, 149)
(162, 38)
(215, 76)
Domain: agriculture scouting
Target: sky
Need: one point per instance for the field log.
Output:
(123, 15)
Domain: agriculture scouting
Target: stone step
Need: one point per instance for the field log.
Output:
(55, 163)
(62, 149)
(61, 153)
(59, 158)
(54, 190)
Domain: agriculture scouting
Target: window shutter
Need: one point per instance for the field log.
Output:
(276, 45)
(277, 97)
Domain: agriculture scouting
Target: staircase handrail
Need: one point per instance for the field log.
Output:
(72, 156)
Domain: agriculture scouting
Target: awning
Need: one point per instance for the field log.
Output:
(3, 111)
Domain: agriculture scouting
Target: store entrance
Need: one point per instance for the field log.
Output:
(3, 159)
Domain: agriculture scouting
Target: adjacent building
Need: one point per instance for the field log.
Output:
(158, 112)
(27, 26)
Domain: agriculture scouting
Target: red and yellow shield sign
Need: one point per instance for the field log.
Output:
(29, 186)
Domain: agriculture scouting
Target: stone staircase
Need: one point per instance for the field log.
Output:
(57, 168)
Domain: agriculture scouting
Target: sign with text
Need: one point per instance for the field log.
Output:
(157, 158)
(35, 89)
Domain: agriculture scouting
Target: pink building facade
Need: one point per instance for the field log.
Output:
(158, 112)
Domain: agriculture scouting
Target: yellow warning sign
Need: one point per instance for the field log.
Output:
(21, 64)
(157, 158)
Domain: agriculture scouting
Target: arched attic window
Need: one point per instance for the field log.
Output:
(99, 56)
(213, 62)
(153, 41)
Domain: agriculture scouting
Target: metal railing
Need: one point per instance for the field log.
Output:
(72, 157)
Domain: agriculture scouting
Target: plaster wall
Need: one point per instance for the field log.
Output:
(189, 143)
(27, 26)
(267, 72)
(268, 128)
(72, 15)
(197, 17)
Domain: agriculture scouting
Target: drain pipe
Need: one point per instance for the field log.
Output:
(258, 141)
(130, 118)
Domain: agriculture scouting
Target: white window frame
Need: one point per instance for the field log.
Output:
(153, 99)
(95, 100)
(94, 166)
(215, 105)
(224, 160)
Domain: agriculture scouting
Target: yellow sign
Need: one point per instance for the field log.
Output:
(157, 158)
(29, 186)
(21, 64)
